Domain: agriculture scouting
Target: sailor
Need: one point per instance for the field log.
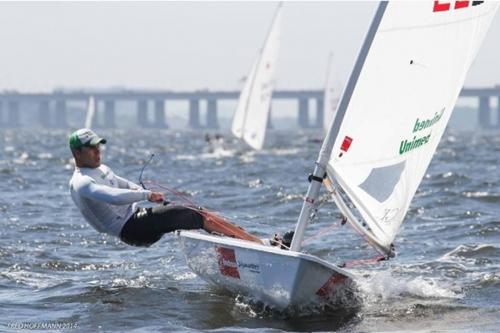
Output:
(109, 202)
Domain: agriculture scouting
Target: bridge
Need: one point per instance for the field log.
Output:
(51, 110)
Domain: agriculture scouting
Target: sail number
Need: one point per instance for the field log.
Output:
(443, 6)
(389, 215)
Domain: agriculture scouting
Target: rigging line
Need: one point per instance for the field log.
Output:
(172, 191)
(319, 203)
(321, 232)
(207, 214)
(194, 207)
(359, 262)
(353, 220)
(324, 230)
(348, 264)
(142, 170)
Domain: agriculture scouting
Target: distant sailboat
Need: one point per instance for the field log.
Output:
(252, 113)
(89, 118)
(330, 96)
(390, 119)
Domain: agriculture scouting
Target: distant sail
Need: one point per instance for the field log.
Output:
(330, 96)
(398, 102)
(89, 118)
(252, 114)
(239, 117)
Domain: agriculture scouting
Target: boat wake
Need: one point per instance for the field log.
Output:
(346, 306)
(386, 286)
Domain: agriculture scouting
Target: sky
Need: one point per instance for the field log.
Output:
(187, 45)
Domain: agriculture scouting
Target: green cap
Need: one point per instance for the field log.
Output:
(84, 137)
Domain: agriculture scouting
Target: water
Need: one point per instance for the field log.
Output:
(54, 268)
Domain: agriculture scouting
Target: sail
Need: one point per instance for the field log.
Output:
(238, 124)
(89, 118)
(252, 114)
(398, 101)
(330, 97)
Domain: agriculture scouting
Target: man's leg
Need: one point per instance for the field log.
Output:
(214, 223)
(148, 227)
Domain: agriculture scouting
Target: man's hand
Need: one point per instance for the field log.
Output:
(156, 197)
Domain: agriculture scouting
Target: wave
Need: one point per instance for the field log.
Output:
(482, 196)
(384, 285)
(472, 251)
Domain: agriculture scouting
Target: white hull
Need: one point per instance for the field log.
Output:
(278, 277)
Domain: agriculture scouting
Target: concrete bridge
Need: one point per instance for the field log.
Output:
(51, 110)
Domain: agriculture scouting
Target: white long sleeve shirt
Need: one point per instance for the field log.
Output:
(105, 200)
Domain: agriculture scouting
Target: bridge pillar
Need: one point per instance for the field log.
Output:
(194, 113)
(303, 113)
(13, 118)
(484, 112)
(142, 113)
(60, 120)
(109, 114)
(159, 121)
(212, 121)
(44, 113)
(320, 112)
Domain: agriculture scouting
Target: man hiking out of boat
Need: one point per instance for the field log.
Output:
(109, 202)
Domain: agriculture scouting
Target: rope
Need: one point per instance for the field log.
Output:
(189, 204)
(359, 262)
(321, 232)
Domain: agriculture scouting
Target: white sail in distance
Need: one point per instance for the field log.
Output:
(252, 113)
(398, 102)
(89, 118)
(239, 117)
(330, 96)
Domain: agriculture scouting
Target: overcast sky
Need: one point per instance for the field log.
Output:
(186, 45)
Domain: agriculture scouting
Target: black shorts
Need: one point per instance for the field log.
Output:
(148, 225)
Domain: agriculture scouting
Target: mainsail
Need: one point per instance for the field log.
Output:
(395, 108)
(89, 118)
(252, 113)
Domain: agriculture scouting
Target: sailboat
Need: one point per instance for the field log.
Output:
(252, 113)
(390, 119)
(89, 118)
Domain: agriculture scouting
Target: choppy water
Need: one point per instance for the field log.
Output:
(55, 269)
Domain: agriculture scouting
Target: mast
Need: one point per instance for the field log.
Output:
(326, 149)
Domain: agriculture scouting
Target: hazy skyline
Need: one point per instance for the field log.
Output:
(186, 45)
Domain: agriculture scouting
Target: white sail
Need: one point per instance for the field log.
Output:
(398, 102)
(89, 118)
(252, 114)
(238, 124)
(330, 96)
